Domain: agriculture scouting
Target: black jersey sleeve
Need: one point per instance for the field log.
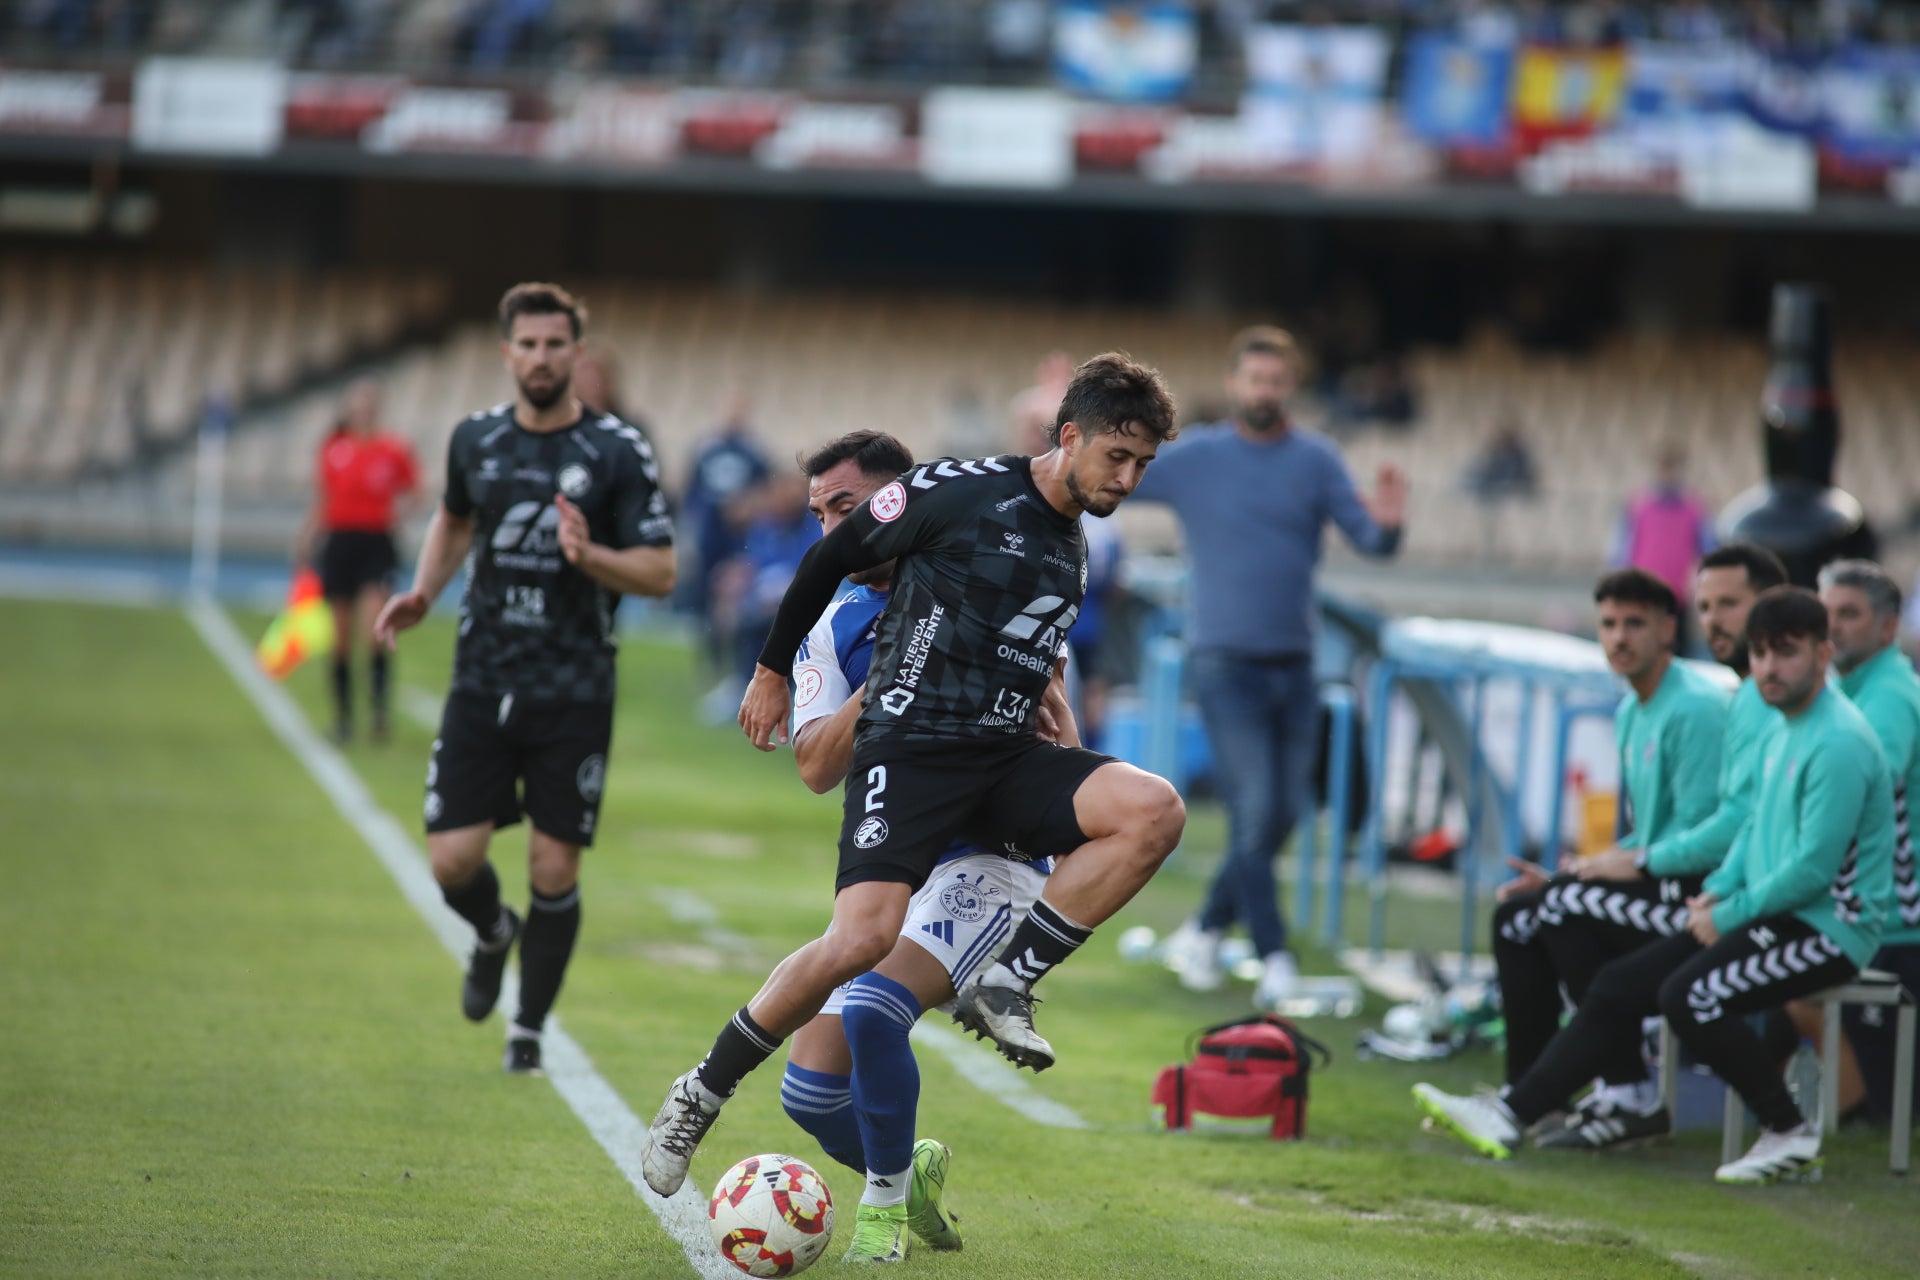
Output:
(896, 521)
(642, 517)
(455, 498)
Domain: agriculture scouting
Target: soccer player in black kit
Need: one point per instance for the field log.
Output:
(990, 573)
(562, 511)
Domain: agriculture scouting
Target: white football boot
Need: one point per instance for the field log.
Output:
(683, 1119)
(1793, 1156)
(1483, 1123)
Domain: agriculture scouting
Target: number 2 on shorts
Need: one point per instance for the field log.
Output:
(878, 777)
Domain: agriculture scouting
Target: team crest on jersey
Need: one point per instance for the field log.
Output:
(592, 776)
(969, 900)
(887, 504)
(807, 687)
(871, 833)
(575, 480)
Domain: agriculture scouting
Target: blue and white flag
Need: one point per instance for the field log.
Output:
(1681, 97)
(1457, 91)
(1314, 93)
(1870, 101)
(1143, 52)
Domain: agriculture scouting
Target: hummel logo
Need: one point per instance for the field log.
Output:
(1762, 936)
(1013, 544)
(941, 929)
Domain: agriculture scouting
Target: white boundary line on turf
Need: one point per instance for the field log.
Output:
(604, 1113)
(980, 1068)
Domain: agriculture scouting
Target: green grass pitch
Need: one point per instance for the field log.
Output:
(231, 1048)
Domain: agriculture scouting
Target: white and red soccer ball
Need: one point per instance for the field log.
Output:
(771, 1215)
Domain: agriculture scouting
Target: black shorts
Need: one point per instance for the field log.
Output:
(353, 560)
(497, 757)
(906, 801)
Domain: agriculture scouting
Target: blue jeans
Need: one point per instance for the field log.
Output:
(1263, 720)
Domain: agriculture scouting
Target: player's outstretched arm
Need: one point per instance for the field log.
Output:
(632, 571)
(448, 538)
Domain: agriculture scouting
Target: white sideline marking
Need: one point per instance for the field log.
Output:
(995, 1078)
(605, 1114)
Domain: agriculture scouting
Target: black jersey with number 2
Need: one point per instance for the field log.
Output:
(531, 624)
(990, 576)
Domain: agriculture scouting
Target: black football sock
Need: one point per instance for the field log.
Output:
(342, 689)
(546, 944)
(1044, 939)
(377, 678)
(478, 903)
(740, 1047)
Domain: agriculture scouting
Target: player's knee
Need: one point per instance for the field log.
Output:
(857, 947)
(1162, 815)
(454, 865)
(1676, 1004)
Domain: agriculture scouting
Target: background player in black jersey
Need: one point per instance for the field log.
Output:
(562, 508)
(990, 571)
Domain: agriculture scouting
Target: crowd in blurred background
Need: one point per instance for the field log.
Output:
(765, 42)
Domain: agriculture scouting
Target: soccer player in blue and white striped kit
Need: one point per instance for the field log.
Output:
(851, 1078)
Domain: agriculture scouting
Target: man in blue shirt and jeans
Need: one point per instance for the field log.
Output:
(1253, 494)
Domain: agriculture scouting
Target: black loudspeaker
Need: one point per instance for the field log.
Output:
(1797, 513)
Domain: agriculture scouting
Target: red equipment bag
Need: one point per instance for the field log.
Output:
(1248, 1076)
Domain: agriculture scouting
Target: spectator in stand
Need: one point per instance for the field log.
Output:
(714, 521)
(363, 475)
(1504, 468)
(1501, 472)
(1665, 529)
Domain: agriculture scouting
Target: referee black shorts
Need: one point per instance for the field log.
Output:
(353, 560)
(497, 757)
(908, 800)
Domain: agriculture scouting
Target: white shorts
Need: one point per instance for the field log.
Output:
(964, 914)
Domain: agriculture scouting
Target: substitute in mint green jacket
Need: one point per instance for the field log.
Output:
(1697, 848)
(1820, 845)
(1670, 748)
(1887, 691)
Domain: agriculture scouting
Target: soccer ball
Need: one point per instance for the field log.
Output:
(771, 1215)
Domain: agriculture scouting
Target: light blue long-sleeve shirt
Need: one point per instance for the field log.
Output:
(1253, 515)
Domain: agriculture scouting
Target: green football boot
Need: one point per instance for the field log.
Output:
(879, 1234)
(937, 1226)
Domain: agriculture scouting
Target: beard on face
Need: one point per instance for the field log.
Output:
(547, 397)
(1097, 504)
(1260, 417)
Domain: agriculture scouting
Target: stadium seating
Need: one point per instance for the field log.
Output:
(81, 346)
(103, 358)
